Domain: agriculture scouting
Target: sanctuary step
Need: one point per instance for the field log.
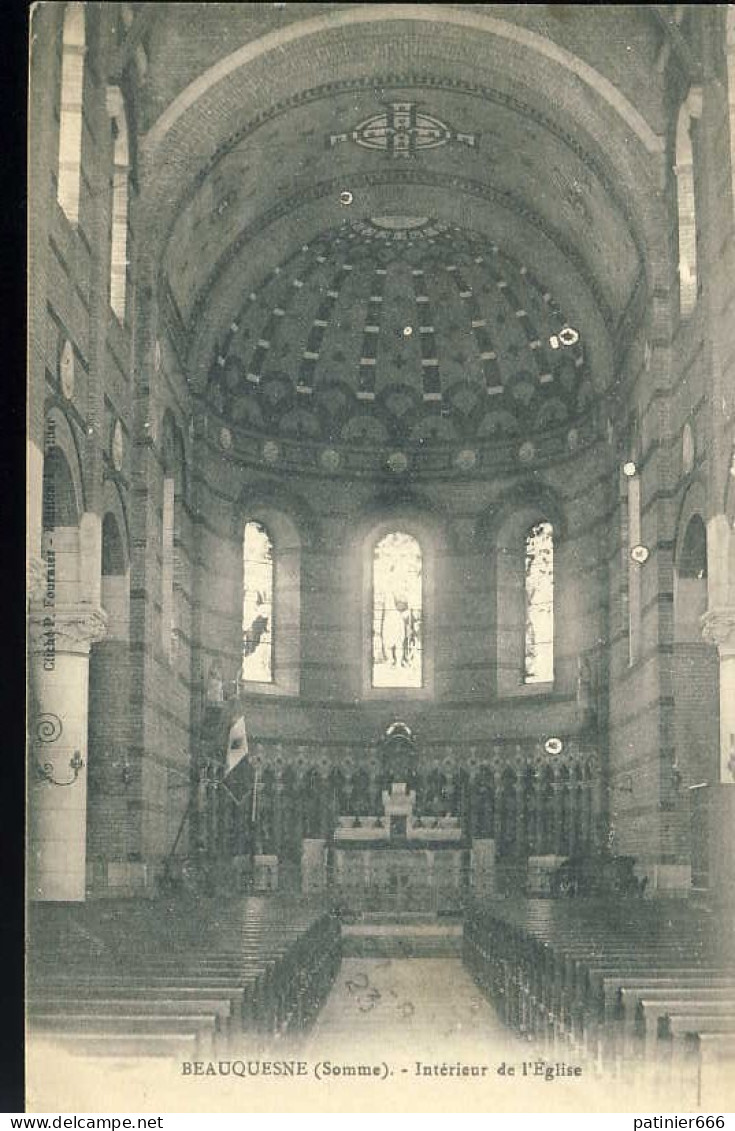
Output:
(421, 938)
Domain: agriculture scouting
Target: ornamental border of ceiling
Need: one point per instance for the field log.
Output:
(405, 82)
(401, 461)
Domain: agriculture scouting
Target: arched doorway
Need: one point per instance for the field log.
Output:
(696, 713)
(695, 661)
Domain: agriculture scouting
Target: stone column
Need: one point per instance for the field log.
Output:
(558, 847)
(521, 817)
(313, 864)
(718, 627)
(600, 824)
(202, 815)
(278, 815)
(573, 798)
(482, 866)
(213, 823)
(61, 637)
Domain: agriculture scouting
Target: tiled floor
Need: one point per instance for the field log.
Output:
(426, 1005)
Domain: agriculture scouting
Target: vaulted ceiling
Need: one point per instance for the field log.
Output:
(270, 129)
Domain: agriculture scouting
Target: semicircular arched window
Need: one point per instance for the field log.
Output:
(538, 656)
(686, 202)
(71, 119)
(257, 605)
(397, 612)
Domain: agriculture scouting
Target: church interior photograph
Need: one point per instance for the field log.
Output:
(381, 539)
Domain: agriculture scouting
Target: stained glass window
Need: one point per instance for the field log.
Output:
(257, 605)
(397, 611)
(70, 111)
(539, 595)
(120, 186)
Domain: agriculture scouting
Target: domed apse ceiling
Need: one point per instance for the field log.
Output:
(470, 299)
(397, 330)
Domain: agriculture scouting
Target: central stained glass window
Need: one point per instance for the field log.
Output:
(539, 650)
(397, 612)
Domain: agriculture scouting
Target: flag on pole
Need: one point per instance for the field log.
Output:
(237, 745)
(256, 783)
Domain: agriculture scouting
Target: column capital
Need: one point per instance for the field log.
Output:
(66, 629)
(718, 627)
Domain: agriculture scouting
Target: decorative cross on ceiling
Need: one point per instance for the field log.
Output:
(402, 130)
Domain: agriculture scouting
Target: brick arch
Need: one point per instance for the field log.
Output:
(693, 552)
(173, 453)
(62, 545)
(694, 660)
(113, 554)
(295, 518)
(694, 503)
(60, 434)
(690, 566)
(475, 21)
(59, 496)
(404, 506)
(525, 501)
(113, 505)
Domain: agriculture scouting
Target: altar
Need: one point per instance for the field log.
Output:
(398, 862)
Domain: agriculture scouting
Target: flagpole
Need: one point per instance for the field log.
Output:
(184, 816)
(256, 783)
(179, 831)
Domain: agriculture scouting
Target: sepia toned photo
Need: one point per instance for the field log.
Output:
(381, 558)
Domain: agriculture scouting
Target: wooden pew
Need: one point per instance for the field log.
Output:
(94, 1025)
(553, 967)
(610, 992)
(219, 1010)
(172, 1045)
(594, 996)
(675, 1027)
(243, 994)
(639, 1002)
(707, 1060)
(269, 972)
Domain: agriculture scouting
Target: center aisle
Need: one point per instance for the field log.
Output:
(412, 1007)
